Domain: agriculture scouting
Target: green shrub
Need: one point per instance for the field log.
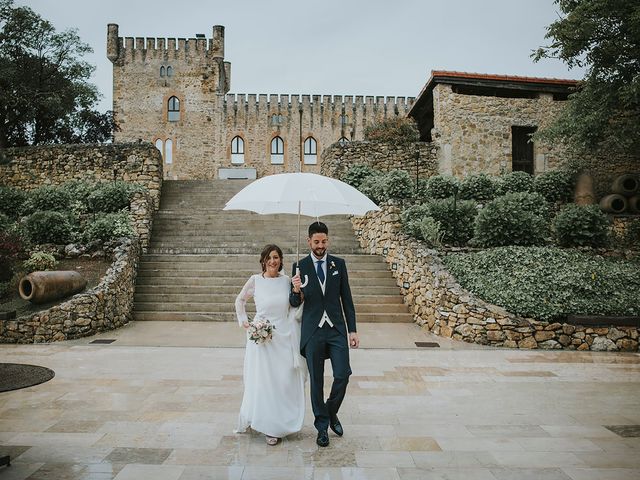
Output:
(422, 190)
(431, 232)
(11, 201)
(549, 283)
(515, 182)
(11, 247)
(442, 186)
(580, 226)
(373, 187)
(456, 219)
(109, 226)
(112, 197)
(411, 217)
(356, 174)
(49, 227)
(39, 261)
(397, 185)
(512, 219)
(5, 222)
(79, 193)
(397, 130)
(632, 234)
(4, 288)
(47, 198)
(556, 186)
(478, 186)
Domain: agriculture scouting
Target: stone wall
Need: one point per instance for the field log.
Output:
(442, 306)
(417, 158)
(474, 131)
(104, 307)
(31, 167)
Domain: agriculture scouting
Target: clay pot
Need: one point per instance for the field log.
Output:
(41, 287)
(613, 203)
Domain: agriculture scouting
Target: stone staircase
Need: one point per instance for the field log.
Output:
(200, 256)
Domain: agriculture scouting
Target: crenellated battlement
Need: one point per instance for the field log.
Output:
(128, 49)
(334, 103)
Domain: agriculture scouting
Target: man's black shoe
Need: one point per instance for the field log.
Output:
(336, 426)
(323, 438)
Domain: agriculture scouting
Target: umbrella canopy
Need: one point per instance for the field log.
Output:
(306, 194)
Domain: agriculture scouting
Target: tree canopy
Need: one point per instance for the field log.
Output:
(602, 36)
(46, 96)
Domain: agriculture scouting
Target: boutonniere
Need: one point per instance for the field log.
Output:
(332, 265)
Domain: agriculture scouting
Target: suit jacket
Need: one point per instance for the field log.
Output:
(336, 300)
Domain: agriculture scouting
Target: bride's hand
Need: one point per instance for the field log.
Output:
(245, 324)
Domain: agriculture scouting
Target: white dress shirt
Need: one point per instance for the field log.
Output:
(325, 318)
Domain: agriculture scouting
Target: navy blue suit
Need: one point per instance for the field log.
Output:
(318, 344)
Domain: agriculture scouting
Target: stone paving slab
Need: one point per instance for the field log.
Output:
(161, 401)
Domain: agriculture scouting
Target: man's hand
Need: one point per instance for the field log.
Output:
(354, 341)
(296, 283)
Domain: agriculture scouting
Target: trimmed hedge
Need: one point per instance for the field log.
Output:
(581, 226)
(549, 283)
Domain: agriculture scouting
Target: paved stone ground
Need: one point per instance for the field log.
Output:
(161, 403)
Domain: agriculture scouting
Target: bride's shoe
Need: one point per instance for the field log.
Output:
(271, 440)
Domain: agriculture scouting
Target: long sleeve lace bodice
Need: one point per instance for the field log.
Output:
(243, 297)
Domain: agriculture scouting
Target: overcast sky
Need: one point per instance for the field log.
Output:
(328, 47)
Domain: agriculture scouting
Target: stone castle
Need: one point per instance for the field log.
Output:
(174, 93)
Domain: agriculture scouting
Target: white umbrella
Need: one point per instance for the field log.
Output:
(300, 193)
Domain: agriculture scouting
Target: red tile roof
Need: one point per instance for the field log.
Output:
(503, 78)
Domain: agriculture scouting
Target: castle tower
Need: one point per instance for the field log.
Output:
(165, 91)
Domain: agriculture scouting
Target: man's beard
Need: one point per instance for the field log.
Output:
(319, 252)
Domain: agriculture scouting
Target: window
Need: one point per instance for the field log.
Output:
(310, 151)
(168, 151)
(522, 149)
(173, 109)
(237, 150)
(277, 119)
(277, 151)
(344, 120)
(162, 71)
(343, 142)
(169, 71)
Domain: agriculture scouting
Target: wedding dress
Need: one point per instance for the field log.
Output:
(274, 373)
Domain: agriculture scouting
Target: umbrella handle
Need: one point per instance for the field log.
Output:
(306, 278)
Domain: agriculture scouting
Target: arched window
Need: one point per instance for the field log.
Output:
(160, 147)
(343, 141)
(310, 151)
(162, 71)
(169, 71)
(173, 109)
(168, 151)
(237, 150)
(344, 119)
(277, 151)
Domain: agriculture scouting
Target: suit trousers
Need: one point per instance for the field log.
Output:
(327, 342)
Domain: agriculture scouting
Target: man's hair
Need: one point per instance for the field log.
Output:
(318, 227)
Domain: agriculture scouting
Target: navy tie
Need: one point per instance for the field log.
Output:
(320, 271)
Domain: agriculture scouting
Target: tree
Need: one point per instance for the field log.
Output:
(602, 36)
(44, 89)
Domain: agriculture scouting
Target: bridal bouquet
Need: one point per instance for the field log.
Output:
(260, 331)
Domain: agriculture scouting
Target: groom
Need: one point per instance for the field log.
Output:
(327, 302)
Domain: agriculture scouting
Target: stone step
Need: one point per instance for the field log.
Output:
(234, 250)
(230, 307)
(154, 289)
(250, 261)
(243, 274)
(238, 269)
(231, 298)
(231, 317)
(237, 281)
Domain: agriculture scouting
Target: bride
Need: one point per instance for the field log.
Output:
(274, 375)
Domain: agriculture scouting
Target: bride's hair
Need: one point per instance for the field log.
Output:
(264, 256)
